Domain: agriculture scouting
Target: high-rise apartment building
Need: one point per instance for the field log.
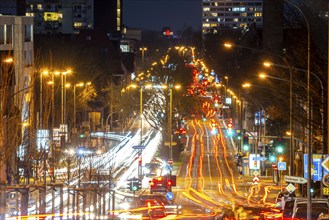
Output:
(62, 16)
(67, 16)
(230, 14)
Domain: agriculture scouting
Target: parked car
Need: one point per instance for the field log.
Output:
(318, 206)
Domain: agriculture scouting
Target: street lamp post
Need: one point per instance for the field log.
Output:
(229, 45)
(74, 102)
(107, 121)
(143, 49)
(170, 117)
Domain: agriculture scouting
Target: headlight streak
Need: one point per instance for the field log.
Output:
(227, 164)
(200, 164)
(123, 151)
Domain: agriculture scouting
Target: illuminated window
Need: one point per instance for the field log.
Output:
(206, 25)
(52, 16)
(39, 7)
(259, 14)
(78, 24)
(29, 14)
(243, 14)
(214, 14)
(31, 7)
(213, 25)
(216, 4)
(236, 19)
(206, 9)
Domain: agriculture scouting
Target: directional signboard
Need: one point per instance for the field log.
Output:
(317, 167)
(139, 147)
(295, 179)
(282, 166)
(259, 158)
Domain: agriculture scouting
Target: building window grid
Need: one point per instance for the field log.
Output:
(240, 19)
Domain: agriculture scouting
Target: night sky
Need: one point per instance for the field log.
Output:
(155, 14)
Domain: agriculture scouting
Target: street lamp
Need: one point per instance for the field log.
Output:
(261, 110)
(143, 49)
(229, 45)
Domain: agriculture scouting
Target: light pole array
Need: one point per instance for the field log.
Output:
(229, 45)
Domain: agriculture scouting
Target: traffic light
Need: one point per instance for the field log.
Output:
(279, 145)
(139, 159)
(272, 158)
(245, 142)
(169, 182)
(139, 184)
(134, 184)
(129, 184)
(230, 130)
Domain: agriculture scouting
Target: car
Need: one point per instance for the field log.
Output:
(152, 169)
(159, 184)
(317, 209)
(149, 207)
(170, 206)
(319, 206)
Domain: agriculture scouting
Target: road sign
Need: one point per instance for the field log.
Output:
(255, 180)
(295, 179)
(325, 164)
(282, 166)
(259, 158)
(255, 173)
(139, 147)
(316, 172)
(290, 188)
(325, 180)
(169, 196)
(325, 191)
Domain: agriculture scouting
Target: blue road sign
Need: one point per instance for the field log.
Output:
(259, 158)
(169, 196)
(139, 147)
(318, 170)
(282, 166)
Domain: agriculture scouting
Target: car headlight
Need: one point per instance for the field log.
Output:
(125, 206)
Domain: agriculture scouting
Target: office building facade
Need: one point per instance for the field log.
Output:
(232, 14)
